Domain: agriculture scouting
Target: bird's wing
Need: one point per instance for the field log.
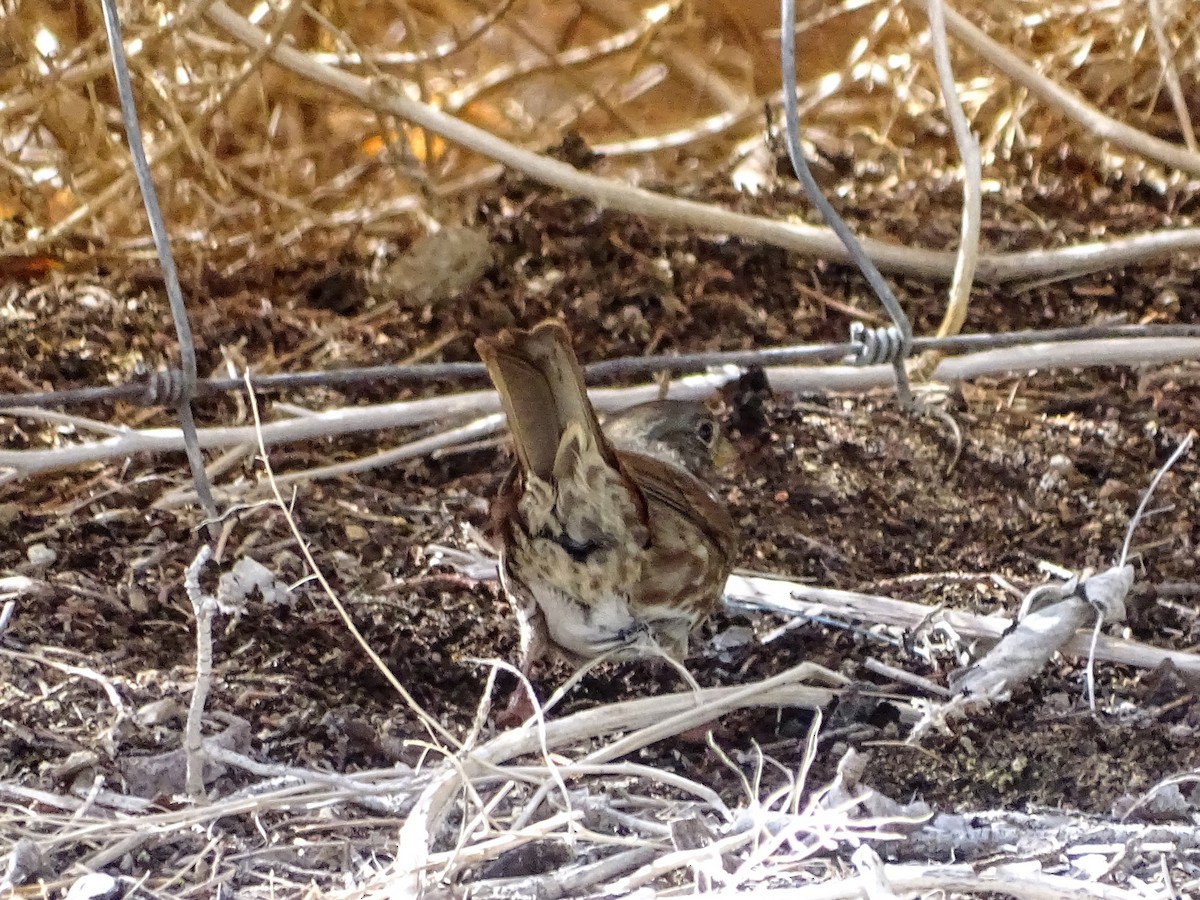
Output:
(685, 495)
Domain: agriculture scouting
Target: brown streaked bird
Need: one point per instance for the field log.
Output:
(610, 541)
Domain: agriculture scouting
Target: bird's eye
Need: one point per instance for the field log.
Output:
(706, 431)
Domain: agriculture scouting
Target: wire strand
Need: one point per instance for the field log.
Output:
(183, 383)
(791, 110)
(159, 389)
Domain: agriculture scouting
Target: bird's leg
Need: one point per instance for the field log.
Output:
(535, 646)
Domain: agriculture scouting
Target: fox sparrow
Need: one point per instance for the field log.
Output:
(610, 539)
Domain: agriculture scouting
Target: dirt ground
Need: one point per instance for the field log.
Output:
(847, 492)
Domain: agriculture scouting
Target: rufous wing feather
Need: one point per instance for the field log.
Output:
(665, 484)
(542, 391)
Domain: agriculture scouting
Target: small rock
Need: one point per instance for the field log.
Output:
(437, 267)
(92, 886)
(40, 556)
(25, 863)
(159, 712)
(8, 514)
(1060, 472)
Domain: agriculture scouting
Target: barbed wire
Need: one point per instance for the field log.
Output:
(182, 382)
(161, 388)
(897, 341)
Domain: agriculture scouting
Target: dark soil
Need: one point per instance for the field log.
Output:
(846, 492)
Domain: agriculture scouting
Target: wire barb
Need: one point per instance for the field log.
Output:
(791, 111)
(163, 387)
(875, 346)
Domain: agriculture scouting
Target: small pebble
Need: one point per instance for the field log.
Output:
(40, 555)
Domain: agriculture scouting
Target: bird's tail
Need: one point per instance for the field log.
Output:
(542, 392)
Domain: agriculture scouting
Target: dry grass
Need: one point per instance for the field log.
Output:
(244, 149)
(259, 166)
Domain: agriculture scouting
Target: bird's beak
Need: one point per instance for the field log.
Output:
(724, 454)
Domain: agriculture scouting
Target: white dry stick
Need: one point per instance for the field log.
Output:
(1025, 650)
(785, 597)
(982, 833)
(796, 236)
(452, 437)
(382, 798)
(1018, 881)
(6, 614)
(1032, 357)
(968, 148)
(19, 464)
(870, 870)
(576, 882)
(204, 607)
(1042, 632)
(677, 712)
(792, 598)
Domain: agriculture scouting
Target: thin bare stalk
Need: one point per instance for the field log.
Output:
(610, 194)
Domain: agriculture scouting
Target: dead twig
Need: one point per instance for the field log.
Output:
(1068, 102)
(204, 607)
(795, 236)
(433, 726)
(968, 150)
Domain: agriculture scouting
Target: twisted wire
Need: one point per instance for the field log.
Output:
(158, 231)
(791, 114)
(875, 346)
(163, 387)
